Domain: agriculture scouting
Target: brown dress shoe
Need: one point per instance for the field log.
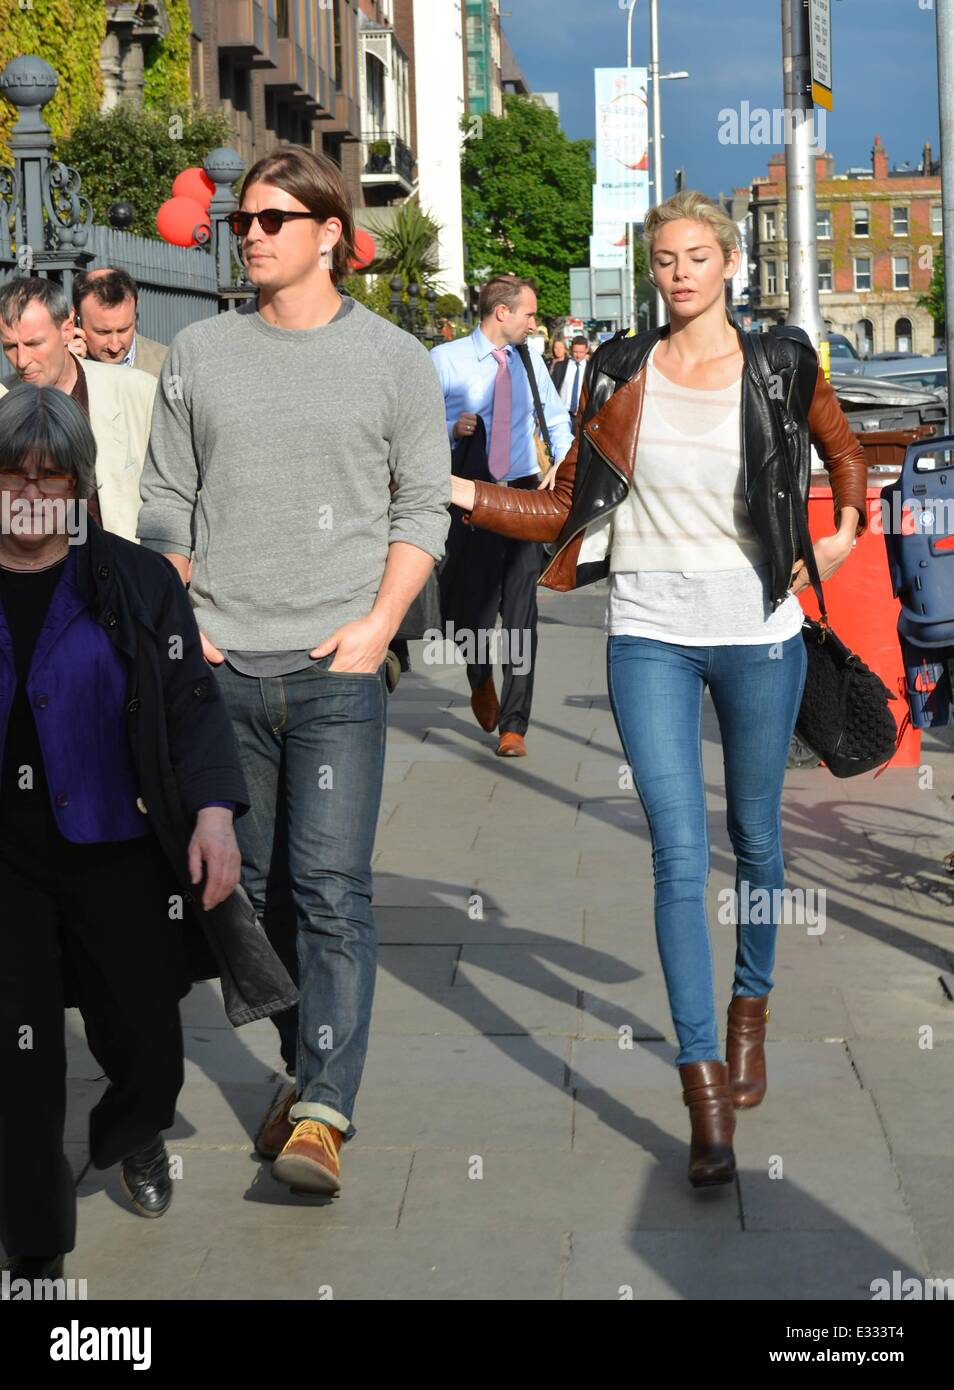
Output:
(309, 1161)
(486, 706)
(276, 1127)
(705, 1089)
(745, 1050)
(511, 746)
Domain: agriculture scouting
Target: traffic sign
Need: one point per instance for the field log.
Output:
(819, 28)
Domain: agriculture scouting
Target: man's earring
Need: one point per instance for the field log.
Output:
(325, 258)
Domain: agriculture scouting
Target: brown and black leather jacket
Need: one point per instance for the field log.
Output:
(597, 472)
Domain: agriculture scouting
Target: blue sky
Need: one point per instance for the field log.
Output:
(883, 59)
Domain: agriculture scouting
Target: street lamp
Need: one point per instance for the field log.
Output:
(655, 77)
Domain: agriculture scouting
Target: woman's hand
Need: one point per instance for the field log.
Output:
(463, 493)
(548, 482)
(214, 847)
(831, 552)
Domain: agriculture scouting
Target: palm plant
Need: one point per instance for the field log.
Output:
(407, 246)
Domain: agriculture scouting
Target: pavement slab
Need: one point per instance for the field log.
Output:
(520, 1128)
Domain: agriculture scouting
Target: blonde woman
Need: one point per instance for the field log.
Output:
(675, 489)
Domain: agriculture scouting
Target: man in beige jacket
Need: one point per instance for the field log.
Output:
(36, 327)
(105, 304)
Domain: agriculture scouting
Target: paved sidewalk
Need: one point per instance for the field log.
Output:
(509, 1147)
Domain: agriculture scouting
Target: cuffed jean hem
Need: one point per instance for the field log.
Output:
(309, 1110)
(705, 1055)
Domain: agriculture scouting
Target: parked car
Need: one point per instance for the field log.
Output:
(844, 358)
(924, 372)
(895, 356)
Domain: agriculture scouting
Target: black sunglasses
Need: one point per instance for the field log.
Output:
(269, 219)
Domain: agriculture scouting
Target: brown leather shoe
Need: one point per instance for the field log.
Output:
(486, 706)
(745, 1050)
(309, 1161)
(511, 746)
(705, 1089)
(276, 1127)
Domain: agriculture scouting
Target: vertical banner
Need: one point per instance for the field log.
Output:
(608, 242)
(622, 144)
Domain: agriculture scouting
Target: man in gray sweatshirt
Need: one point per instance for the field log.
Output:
(278, 434)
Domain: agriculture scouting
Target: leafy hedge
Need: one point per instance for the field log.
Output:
(167, 65)
(135, 155)
(68, 34)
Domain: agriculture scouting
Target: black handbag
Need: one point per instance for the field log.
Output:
(844, 715)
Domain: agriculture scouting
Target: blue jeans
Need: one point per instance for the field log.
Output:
(312, 750)
(655, 691)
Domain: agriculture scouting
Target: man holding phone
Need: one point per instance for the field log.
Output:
(106, 306)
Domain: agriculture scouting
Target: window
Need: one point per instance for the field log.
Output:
(903, 336)
(824, 276)
(336, 30)
(281, 18)
(771, 277)
(864, 337)
(901, 267)
(768, 225)
(899, 221)
(937, 220)
(785, 273)
(374, 96)
(862, 265)
(823, 222)
(860, 218)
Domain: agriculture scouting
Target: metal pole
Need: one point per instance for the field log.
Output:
(657, 132)
(630, 255)
(803, 306)
(945, 87)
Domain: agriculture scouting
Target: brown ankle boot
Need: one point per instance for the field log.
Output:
(705, 1089)
(745, 1050)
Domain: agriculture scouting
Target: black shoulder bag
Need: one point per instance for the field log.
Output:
(844, 715)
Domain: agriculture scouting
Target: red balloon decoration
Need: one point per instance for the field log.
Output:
(194, 183)
(183, 222)
(364, 249)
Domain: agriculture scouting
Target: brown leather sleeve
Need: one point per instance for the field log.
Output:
(526, 514)
(843, 456)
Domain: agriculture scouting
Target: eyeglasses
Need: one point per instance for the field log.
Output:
(269, 219)
(51, 484)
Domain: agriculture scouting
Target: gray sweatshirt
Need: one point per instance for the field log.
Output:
(282, 443)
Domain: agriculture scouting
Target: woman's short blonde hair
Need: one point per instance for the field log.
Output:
(697, 207)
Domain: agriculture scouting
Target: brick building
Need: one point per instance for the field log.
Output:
(878, 232)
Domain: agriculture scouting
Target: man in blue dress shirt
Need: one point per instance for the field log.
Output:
(483, 378)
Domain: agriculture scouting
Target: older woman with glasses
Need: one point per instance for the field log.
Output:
(119, 778)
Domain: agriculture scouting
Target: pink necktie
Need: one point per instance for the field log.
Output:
(498, 459)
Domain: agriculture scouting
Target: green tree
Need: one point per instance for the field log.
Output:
(135, 155)
(373, 291)
(527, 201)
(933, 301)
